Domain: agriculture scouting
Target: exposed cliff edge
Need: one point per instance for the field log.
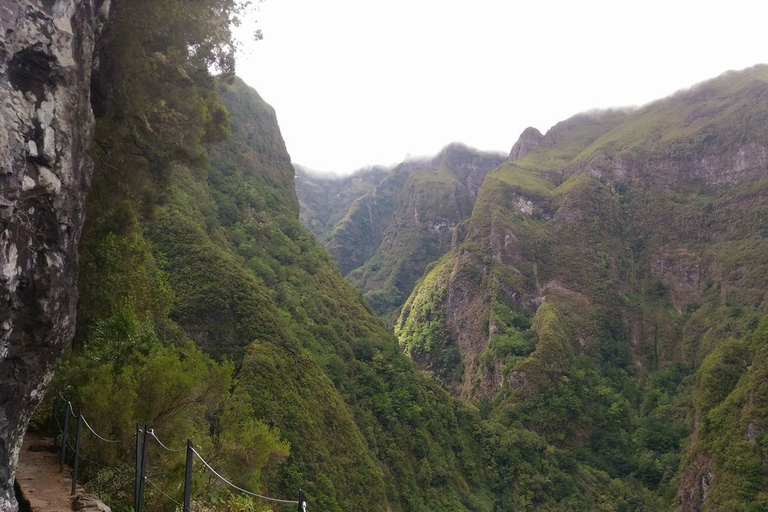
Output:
(46, 125)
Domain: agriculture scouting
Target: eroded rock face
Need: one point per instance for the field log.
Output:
(46, 126)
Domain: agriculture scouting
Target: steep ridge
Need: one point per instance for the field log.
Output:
(601, 312)
(317, 394)
(612, 270)
(355, 238)
(251, 285)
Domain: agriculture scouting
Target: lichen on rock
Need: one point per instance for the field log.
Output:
(46, 126)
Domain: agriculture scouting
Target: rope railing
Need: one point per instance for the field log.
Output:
(152, 433)
(85, 422)
(158, 489)
(141, 436)
(244, 491)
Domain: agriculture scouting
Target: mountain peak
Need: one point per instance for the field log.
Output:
(530, 139)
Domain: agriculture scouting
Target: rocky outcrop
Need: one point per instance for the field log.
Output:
(88, 502)
(46, 124)
(470, 166)
(530, 139)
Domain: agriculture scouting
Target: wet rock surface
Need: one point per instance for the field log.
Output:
(46, 126)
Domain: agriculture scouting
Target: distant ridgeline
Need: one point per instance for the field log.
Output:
(580, 326)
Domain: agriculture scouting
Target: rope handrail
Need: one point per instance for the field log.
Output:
(150, 482)
(97, 435)
(146, 431)
(72, 411)
(69, 404)
(92, 461)
(293, 502)
(151, 432)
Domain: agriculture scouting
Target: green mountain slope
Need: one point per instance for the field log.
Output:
(599, 317)
(317, 363)
(318, 387)
(610, 274)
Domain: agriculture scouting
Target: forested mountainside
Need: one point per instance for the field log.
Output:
(207, 311)
(386, 237)
(608, 294)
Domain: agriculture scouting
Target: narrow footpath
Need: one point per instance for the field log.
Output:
(38, 476)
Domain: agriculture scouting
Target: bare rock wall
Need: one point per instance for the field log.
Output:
(46, 127)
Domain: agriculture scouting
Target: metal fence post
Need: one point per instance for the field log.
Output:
(137, 484)
(143, 476)
(77, 453)
(302, 501)
(64, 437)
(188, 477)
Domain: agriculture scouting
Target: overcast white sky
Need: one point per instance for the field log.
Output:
(359, 82)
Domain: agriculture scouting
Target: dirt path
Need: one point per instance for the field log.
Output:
(38, 476)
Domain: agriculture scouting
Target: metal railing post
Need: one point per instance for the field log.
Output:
(302, 501)
(137, 484)
(188, 477)
(143, 476)
(53, 430)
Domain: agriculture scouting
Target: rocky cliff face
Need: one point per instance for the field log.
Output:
(530, 139)
(46, 57)
(357, 235)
